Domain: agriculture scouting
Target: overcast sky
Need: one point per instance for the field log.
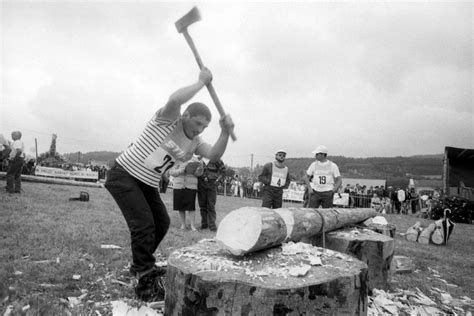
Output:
(363, 78)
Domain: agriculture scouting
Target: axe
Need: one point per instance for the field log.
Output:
(182, 27)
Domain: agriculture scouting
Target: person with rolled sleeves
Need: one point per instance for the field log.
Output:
(168, 138)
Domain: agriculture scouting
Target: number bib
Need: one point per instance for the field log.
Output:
(165, 156)
(278, 176)
(160, 161)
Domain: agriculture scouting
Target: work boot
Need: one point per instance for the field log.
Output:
(151, 286)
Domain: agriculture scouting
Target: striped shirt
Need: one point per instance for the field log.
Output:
(156, 150)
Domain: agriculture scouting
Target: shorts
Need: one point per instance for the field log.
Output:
(184, 199)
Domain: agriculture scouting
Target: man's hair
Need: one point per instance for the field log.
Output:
(198, 108)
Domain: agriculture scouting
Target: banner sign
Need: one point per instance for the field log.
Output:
(293, 195)
(297, 196)
(66, 174)
(341, 199)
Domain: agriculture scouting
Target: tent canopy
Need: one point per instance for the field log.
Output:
(460, 165)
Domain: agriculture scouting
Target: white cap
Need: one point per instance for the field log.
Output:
(320, 149)
(281, 151)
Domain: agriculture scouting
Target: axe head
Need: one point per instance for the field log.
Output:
(190, 17)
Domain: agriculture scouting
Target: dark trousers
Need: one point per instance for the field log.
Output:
(324, 199)
(14, 175)
(272, 197)
(144, 212)
(207, 196)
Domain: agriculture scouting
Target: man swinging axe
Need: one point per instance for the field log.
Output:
(134, 180)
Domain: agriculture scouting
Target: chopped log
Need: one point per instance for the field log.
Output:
(438, 234)
(425, 234)
(402, 264)
(375, 249)
(413, 232)
(250, 229)
(203, 279)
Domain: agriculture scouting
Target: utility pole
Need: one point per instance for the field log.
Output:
(36, 148)
(251, 162)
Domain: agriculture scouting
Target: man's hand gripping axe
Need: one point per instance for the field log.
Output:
(182, 27)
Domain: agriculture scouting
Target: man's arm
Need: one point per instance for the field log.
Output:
(172, 109)
(337, 184)
(264, 177)
(288, 181)
(219, 147)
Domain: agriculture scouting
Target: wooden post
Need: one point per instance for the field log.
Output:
(373, 248)
(446, 187)
(251, 229)
(36, 150)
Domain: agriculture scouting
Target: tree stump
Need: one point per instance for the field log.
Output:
(205, 280)
(375, 249)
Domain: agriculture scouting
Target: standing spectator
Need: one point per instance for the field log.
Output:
(17, 159)
(185, 185)
(394, 203)
(257, 187)
(236, 186)
(407, 203)
(414, 198)
(275, 177)
(30, 166)
(207, 193)
(249, 188)
(134, 179)
(5, 148)
(400, 200)
(323, 179)
(376, 203)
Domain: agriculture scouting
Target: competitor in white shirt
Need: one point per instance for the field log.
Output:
(133, 181)
(276, 177)
(323, 179)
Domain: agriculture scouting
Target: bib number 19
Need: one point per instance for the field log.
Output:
(322, 179)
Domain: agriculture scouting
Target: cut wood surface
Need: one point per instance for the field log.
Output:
(250, 229)
(413, 232)
(293, 279)
(425, 234)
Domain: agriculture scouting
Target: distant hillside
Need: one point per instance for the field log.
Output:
(104, 156)
(396, 170)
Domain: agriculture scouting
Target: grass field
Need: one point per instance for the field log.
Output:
(50, 250)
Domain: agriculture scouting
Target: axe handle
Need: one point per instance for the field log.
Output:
(209, 86)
